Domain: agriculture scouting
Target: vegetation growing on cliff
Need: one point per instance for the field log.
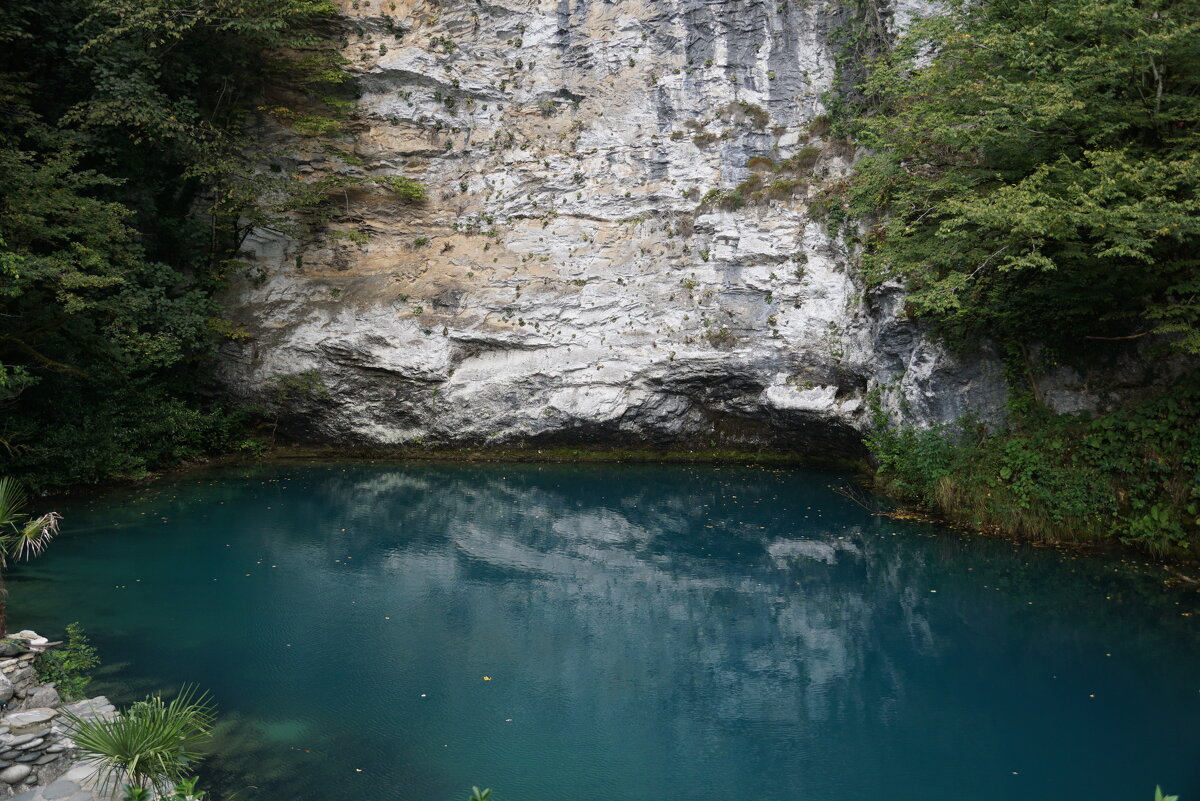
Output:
(1033, 174)
(128, 181)
(1130, 475)
(1032, 177)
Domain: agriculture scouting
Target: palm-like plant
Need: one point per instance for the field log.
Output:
(151, 746)
(22, 536)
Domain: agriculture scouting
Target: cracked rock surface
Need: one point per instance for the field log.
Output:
(566, 280)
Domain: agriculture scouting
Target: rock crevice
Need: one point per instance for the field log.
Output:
(620, 242)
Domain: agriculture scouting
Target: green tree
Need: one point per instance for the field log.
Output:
(1032, 171)
(129, 178)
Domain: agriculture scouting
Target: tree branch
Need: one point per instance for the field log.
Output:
(1118, 339)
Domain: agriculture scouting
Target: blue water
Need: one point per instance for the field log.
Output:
(649, 632)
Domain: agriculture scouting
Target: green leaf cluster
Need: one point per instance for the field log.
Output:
(69, 666)
(405, 189)
(184, 790)
(1033, 170)
(130, 176)
(1131, 475)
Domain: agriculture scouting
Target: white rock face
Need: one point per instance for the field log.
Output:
(564, 281)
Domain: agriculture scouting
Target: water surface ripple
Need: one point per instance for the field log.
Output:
(646, 633)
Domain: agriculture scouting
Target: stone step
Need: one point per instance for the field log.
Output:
(30, 721)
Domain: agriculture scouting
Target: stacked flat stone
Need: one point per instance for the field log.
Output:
(77, 784)
(19, 686)
(37, 757)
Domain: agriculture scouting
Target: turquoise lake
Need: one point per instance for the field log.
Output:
(646, 633)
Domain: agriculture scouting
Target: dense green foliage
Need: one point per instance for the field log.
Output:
(1133, 474)
(1031, 174)
(69, 666)
(128, 181)
(1033, 171)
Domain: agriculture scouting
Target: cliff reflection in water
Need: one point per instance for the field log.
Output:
(646, 631)
(708, 596)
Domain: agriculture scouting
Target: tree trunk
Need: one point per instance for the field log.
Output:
(3, 607)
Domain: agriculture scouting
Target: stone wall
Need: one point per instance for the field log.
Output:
(35, 750)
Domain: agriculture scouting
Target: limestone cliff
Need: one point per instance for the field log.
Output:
(582, 270)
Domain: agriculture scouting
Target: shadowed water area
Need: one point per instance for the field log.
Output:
(649, 632)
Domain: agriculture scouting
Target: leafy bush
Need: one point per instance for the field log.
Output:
(803, 160)
(741, 110)
(69, 666)
(125, 435)
(185, 790)
(1133, 474)
(406, 189)
(767, 181)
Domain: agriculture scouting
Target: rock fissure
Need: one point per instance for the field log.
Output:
(571, 247)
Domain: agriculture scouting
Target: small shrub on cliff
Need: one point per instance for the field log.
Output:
(70, 666)
(819, 126)
(803, 160)
(406, 189)
(742, 111)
